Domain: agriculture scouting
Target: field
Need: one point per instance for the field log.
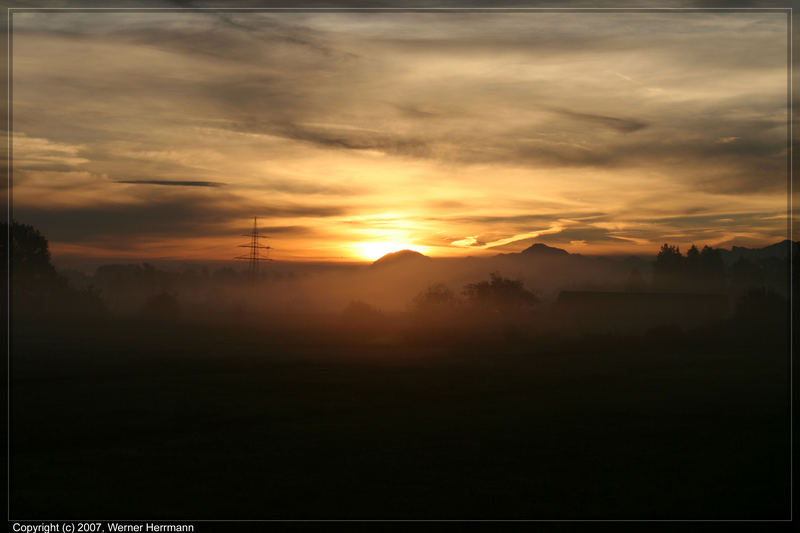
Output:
(131, 420)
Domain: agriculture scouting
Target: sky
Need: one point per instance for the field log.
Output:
(349, 135)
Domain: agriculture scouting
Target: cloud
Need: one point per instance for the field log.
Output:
(451, 121)
(286, 230)
(301, 187)
(524, 219)
(175, 216)
(466, 242)
(556, 228)
(615, 123)
(174, 183)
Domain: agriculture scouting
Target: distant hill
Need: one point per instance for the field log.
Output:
(542, 250)
(403, 257)
(779, 250)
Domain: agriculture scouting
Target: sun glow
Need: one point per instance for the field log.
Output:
(377, 249)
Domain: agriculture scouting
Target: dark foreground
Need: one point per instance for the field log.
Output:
(134, 421)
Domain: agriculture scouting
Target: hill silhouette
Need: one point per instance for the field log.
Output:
(540, 249)
(401, 257)
(779, 250)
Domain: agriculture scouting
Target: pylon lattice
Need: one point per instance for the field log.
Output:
(254, 257)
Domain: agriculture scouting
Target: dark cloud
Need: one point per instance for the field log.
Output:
(615, 123)
(240, 38)
(43, 167)
(174, 183)
(177, 216)
(415, 112)
(355, 140)
(592, 235)
(284, 230)
(545, 219)
(311, 188)
(708, 220)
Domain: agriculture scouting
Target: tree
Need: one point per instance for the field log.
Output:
(30, 253)
(34, 280)
(668, 270)
(697, 271)
(499, 294)
(436, 298)
(692, 269)
(37, 288)
(712, 269)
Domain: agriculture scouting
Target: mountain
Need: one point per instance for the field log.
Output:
(779, 250)
(403, 257)
(542, 250)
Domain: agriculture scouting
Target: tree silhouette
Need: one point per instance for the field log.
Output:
(712, 269)
(37, 288)
(668, 270)
(499, 294)
(692, 270)
(436, 298)
(702, 271)
(30, 253)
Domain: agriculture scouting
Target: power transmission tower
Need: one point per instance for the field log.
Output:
(254, 257)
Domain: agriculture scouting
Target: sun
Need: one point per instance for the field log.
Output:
(376, 249)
